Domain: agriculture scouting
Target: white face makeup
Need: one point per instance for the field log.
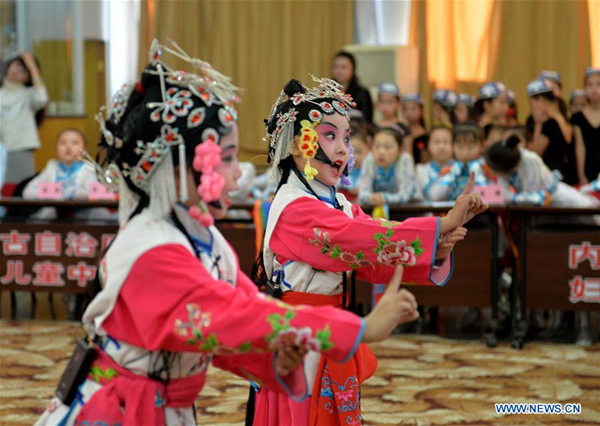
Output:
(334, 140)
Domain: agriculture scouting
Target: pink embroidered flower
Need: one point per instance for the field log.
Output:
(348, 257)
(305, 340)
(211, 186)
(207, 157)
(286, 338)
(345, 395)
(326, 237)
(396, 253)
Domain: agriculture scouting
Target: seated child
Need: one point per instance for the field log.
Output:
(388, 172)
(434, 178)
(73, 174)
(468, 148)
(528, 181)
(361, 148)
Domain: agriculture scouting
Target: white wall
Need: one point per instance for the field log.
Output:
(382, 22)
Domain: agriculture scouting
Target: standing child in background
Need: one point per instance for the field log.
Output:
(491, 106)
(550, 129)
(512, 113)
(22, 97)
(444, 102)
(412, 109)
(360, 145)
(434, 178)
(577, 101)
(388, 173)
(554, 80)
(586, 127)
(388, 105)
(464, 108)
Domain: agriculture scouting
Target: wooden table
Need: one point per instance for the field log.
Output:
(547, 276)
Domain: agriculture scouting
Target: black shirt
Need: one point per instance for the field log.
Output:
(557, 155)
(591, 140)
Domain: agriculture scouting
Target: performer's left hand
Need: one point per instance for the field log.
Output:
(288, 358)
(448, 241)
(467, 205)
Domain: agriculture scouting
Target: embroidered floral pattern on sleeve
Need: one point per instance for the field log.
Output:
(194, 330)
(284, 334)
(323, 240)
(389, 253)
(393, 253)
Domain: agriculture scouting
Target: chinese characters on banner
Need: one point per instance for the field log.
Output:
(584, 289)
(57, 257)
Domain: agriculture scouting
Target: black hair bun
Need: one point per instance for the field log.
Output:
(150, 77)
(292, 87)
(512, 141)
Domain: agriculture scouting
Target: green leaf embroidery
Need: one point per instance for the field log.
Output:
(353, 266)
(334, 255)
(337, 249)
(360, 255)
(197, 334)
(378, 236)
(245, 347)
(210, 344)
(324, 250)
(416, 245)
(289, 315)
(323, 337)
(389, 232)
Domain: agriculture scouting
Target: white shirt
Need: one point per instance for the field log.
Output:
(18, 105)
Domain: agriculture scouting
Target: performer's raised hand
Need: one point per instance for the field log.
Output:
(288, 358)
(396, 306)
(466, 207)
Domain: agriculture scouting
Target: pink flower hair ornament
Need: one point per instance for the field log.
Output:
(207, 157)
